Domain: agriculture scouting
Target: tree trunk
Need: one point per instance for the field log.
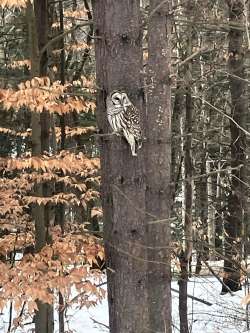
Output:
(219, 234)
(60, 209)
(201, 201)
(176, 151)
(236, 197)
(210, 213)
(185, 255)
(119, 65)
(158, 167)
(44, 321)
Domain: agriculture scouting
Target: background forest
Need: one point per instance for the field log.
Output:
(70, 190)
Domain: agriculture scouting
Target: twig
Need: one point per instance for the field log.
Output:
(104, 135)
(215, 172)
(224, 114)
(157, 8)
(233, 75)
(66, 305)
(183, 62)
(99, 323)
(22, 310)
(10, 317)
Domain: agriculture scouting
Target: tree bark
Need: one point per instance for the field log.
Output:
(185, 255)
(119, 65)
(236, 197)
(210, 213)
(60, 209)
(158, 168)
(44, 321)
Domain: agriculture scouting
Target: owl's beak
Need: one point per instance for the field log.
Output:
(125, 102)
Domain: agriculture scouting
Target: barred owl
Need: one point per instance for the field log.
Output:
(124, 119)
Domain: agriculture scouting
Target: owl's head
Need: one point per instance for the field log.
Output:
(119, 98)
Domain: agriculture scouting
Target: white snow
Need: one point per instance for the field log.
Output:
(226, 315)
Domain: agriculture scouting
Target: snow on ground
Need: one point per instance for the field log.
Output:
(226, 315)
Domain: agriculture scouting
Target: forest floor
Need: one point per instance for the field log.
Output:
(225, 315)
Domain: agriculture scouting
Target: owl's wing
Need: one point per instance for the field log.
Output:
(132, 117)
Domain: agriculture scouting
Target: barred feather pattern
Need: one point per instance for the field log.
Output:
(124, 119)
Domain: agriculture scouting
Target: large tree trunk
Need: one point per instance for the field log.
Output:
(158, 168)
(119, 64)
(236, 198)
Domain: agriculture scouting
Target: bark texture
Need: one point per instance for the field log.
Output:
(158, 167)
(118, 65)
(187, 187)
(236, 197)
(36, 19)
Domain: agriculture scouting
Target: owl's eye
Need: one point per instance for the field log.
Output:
(116, 100)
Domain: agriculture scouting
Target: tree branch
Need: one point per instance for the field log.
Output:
(218, 278)
(194, 298)
(55, 39)
(201, 50)
(224, 114)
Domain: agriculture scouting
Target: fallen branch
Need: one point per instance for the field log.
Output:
(190, 296)
(194, 298)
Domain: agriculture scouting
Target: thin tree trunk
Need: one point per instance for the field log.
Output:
(202, 208)
(38, 211)
(119, 65)
(60, 209)
(219, 239)
(236, 198)
(247, 75)
(44, 321)
(201, 185)
(185, 256)
(211, 213)
(176, 152)
(188, 204)
(158, 168)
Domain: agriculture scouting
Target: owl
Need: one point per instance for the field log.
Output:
(124, 119)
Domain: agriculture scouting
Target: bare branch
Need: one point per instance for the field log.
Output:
(218, 278)
(194, 298)
(196, 53)
(57, 38)
(224, 114)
